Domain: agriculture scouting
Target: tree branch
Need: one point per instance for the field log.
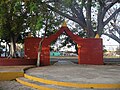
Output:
(107, 21)
(50, 1)
(113, 37)
(63, 14)
(111, 4)
(79, 12)
(116, 28)
(66, 15)
(80, 16)
(105, 8)
(83, 3)
(101, 2)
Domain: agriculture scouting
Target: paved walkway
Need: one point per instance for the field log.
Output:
(13, 85)
(68, 72)
(13, 68)
(12, 72)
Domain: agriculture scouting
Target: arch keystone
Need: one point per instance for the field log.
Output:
(64, 24)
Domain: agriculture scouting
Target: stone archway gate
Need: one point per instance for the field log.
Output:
(90, 50)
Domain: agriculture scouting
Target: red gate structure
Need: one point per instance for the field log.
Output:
(90, 50)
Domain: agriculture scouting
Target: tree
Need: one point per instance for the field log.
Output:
(42, 18)
(10, 21)
(14, 16)
(51, 21)
(80, 11)
(18, 17)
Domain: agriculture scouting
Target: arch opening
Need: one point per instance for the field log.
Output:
(63, 50)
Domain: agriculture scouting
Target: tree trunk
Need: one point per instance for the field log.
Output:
(40, 45)
(0, 45)
(6, 49)
(38, 59)
(39, 52)
(100, 25)
(100, 28)
(12, 47)
(90, 32)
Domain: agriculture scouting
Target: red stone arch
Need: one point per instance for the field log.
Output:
(89, 49)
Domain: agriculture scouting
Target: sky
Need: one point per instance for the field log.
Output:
(109, 43)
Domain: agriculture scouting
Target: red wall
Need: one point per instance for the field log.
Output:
(90, 51)
(45, 56)
(17, 61)
(31, 47)
(31, 50)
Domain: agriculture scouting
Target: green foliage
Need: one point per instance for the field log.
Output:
(17, 7)
(17, 16)
(10, 19)
(39, 23)
(68, 2)
(33, 7)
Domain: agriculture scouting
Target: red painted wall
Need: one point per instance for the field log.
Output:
(31, 47)
(45, 56)
(90, 51)
(31, 50)
(17, 61)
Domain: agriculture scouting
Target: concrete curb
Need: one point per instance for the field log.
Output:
(34, 85)
(10, 75)
(7, 76)
(70, 84)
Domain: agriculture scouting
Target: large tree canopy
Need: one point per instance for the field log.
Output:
(11, 21)
(81, 12)
(20, 16)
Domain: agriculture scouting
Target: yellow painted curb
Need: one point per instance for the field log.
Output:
(34, 85)
(69, 84)
(10, 75)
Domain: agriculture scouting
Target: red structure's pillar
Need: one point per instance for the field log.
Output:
(90, 51)
(31, 50)
(31, 47)
(45, 56)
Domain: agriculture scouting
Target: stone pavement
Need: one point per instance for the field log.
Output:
(12, 72)
(66, 71)
(13, 85)
(14, 68)
(69, 72)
